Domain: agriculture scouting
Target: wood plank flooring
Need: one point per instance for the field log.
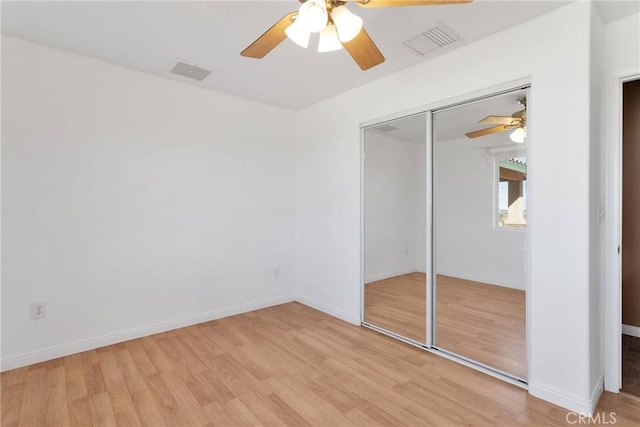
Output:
(398, 304)
(285, 365)
(482, 322)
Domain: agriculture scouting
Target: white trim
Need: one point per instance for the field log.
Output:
(362, 206)
(483, 280)
(332, 311)
(389, 275)
(429, 292)
(630, 330)
(596, 393)
(55, 352)
(573, 403)
(530, 222)
(452, 102)
(612, 288)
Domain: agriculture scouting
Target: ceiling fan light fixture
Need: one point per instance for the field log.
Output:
(329, 39)
(348, 24)
(298, 33)
(518, 135)
(314, 15)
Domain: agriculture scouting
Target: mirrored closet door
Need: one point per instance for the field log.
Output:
(480, 231)
(395, 215)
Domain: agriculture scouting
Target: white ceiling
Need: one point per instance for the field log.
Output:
(454, 123)
(411, 129)
(148, 36)
(611, 10)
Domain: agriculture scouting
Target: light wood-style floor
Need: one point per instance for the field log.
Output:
(285, 365)
(482, 322)
(398, 304)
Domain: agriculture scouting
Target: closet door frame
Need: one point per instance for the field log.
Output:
(429, 109)
(433, 220)
(363, 128)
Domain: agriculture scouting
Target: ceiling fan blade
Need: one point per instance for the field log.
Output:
(520, 114)
(489, 131)
(364, 51)
(500, 120)
(270, 39)
(395, 3)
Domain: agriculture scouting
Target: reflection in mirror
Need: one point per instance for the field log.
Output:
(394, 226)
(480, 217)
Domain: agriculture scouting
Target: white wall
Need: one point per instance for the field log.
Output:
(621, 52)
(133, 203)
(553, 51)
(468, 243)
(596, 203)
(390, 225)
(96, 187)
(421, 207)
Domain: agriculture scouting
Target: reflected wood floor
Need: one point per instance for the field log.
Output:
(285, 365)
(481, 322)
(398, 304)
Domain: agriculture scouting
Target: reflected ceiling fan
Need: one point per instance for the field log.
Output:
(338, 28)
(517, 121)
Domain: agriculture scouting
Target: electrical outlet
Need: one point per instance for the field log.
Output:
(601, 214)
(38, 310)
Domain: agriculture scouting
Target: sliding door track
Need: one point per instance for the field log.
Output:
(496, 373)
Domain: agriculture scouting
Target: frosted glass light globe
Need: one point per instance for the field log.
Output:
(329, 39)
(348, 24)
(298, 33)
(314, 15)
(518, 135)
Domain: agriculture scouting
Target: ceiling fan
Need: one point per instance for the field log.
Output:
(517, 121)
(338, 28)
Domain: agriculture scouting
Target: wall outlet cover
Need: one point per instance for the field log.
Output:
(38, 310)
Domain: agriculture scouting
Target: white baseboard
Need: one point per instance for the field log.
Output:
(139, 332)
(596, 393)
(332, 311)
(485, 280)
(567, 401)
(388, 275)
(633, 331)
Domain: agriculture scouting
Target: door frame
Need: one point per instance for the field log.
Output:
(612, 288)
(429, 109)
(431, 217)
(363, 127)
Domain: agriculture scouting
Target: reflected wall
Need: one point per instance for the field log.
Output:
(395, 226)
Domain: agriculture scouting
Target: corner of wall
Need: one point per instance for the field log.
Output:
(332, 311)
(135, 333)
(570, 402)
(596, 204)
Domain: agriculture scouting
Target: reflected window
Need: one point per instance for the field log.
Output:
(512, 192)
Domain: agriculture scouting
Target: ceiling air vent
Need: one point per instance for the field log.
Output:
(385, 128)
(189, 71)
(432, 39)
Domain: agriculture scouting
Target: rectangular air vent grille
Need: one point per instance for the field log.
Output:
(386, 128)
(432, 39)
(190, 71)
